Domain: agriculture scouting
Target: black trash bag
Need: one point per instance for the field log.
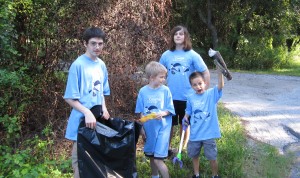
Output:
(109, 150)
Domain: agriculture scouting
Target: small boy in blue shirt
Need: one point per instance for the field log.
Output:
(204, 129)
(155, 98)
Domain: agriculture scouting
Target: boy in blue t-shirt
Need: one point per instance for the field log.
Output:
(155, 98)
(204, 129)
(87, 85)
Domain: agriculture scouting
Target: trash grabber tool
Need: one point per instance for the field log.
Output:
(177, 159)
(219, 61)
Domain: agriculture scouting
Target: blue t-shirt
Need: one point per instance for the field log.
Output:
(180, 65)
(203, 111)
(87, 82)
(157, 131)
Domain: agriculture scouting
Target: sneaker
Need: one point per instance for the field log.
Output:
(194, 176)
(216, 176)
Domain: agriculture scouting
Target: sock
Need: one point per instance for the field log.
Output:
(157, 176)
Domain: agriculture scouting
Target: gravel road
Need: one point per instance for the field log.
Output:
(269, 105)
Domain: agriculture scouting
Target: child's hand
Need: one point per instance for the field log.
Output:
(159, 115)
(185, 123)
(90, 120)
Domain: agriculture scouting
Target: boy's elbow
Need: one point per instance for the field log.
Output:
(69, 100)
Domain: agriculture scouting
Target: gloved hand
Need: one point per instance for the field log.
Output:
(185, 123)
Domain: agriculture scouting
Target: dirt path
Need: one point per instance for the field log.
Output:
(270, 107)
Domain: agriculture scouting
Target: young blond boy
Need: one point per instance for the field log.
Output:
(155, 98)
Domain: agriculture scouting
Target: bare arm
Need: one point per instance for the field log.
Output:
(90, 119)
(104, 109)
(206, 75)
(220, 79)
(162, 114)
(186, 115)
(142, 132)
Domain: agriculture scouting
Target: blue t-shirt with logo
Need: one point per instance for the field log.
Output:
(202, 108)
(180, 64)
(151, 100)
(87, 82)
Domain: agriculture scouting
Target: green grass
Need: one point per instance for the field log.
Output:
(263, 160)
(236, 157)
(292, 69)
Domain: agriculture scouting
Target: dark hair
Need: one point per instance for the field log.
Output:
(195, 75)
(93, 32)
(187, 44)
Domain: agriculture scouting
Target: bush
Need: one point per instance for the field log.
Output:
(33, 159)
(259, 53)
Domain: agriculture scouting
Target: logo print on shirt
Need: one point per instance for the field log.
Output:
(178, 68)
(96, 87)
(199, 114)
(151, 109)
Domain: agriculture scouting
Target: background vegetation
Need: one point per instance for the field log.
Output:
(40, 38)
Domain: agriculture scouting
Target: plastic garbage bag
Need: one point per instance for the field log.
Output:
(109, 150)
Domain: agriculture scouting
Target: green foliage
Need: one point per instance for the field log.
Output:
(254, 53)
(252, 34)
(15, 88)
(34, 159)
(8, 35)
(12, 127)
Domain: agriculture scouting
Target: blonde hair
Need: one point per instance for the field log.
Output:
(154, 68)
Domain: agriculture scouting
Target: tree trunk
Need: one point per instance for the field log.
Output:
(209, 24)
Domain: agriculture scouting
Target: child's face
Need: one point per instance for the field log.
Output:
(94, 47)
(179, 37)
(158, 80)
(198, 85)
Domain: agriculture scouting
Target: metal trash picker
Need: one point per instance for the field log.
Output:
(178, 159)
(219, 61)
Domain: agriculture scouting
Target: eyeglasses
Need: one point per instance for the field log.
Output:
(95, 44)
